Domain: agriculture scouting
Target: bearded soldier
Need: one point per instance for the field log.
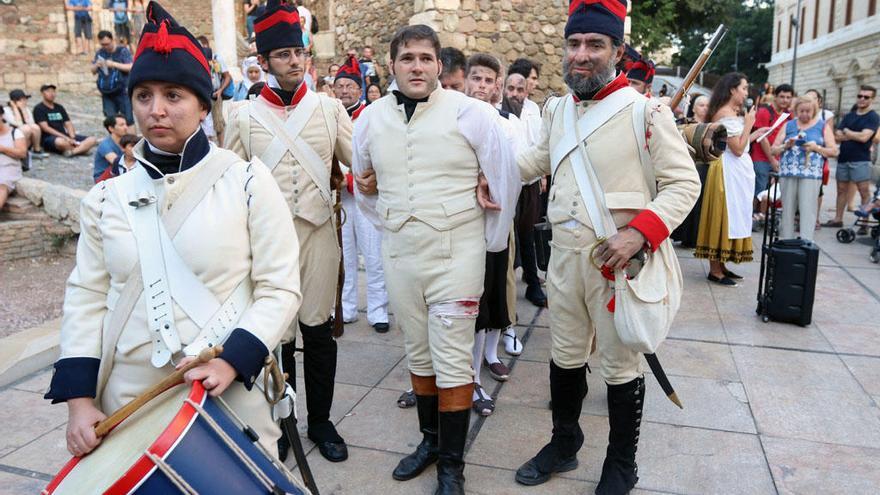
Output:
(600, 137)
(297, 132)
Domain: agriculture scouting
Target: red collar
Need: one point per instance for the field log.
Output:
(272, 97)
(357, 112)
(619, 82)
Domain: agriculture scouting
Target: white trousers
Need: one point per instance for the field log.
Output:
(799, 195)
(361, 236)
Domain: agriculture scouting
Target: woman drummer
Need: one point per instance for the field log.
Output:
(237, 239)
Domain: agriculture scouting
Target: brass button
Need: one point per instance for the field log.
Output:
(170, 180)
(573, 212)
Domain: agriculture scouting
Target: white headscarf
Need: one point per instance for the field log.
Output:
(246, 64)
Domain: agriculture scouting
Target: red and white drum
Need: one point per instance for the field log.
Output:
(182, 442)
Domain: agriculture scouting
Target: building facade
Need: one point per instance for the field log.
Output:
(838, 47)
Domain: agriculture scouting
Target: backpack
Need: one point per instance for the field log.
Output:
(111, 82)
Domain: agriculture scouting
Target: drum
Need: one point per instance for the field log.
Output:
(183, 441)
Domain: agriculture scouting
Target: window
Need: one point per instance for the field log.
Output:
(848, 19)
(872, 7)
(831, 16)
(816, 19)
(801, 25)
(790, 25)
(778, 34)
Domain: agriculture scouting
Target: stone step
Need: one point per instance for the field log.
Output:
(20, 208)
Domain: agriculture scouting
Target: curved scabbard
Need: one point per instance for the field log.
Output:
(662, 379)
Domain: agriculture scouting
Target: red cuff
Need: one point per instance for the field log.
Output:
(649, 224)
(349, 183)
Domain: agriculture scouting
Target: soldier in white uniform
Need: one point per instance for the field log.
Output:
(192, 228)
(297, 133)
(581, 300)
(427, 146)
(359, 235)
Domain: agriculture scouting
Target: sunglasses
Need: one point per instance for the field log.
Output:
(864, 97)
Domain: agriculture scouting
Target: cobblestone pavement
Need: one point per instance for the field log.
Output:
(76, 172)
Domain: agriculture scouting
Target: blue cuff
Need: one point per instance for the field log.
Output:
(74, 378)
(246, 353)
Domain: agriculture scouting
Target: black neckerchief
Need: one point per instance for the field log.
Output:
(587, 96)
(196, 148)
(353, 108)
(286, 96)
(409, 104)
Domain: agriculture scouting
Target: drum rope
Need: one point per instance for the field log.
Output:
(255, 470)
(175, 478)
(275, 462)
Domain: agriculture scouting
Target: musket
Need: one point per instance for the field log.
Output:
(698, 66)
(337, 179)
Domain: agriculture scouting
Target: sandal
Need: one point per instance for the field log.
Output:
(484, 405)
(832, 223)
(406, 399)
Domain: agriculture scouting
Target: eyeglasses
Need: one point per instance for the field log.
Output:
(864, 97)
(286, 55)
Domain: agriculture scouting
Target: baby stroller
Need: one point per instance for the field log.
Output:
(866, 222)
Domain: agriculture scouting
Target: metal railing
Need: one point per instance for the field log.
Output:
(102, 20)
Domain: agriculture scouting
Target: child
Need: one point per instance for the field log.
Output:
(124, 162)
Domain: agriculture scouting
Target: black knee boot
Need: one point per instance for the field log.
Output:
(319, 375)
(427, 451)
(567, 391)
(619, 471)
(453, 421)
(288, 362)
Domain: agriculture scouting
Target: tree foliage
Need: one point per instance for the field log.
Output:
(688, 24)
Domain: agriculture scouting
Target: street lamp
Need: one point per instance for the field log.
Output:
(797, 31)
(736, 53)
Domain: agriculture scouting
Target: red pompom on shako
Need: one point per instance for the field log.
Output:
(641, 70)
(167, 52)
(351, 69)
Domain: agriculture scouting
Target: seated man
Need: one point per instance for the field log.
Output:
(109, 149)
(59, 135)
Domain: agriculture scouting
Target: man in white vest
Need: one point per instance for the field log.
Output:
(425, 147)
(359, 235)
(600, 150)
(296, 133)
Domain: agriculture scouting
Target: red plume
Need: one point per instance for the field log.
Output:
(161, 45)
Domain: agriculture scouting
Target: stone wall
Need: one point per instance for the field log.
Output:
(26, 230)
(36, 36)
(508, 29)
(362, 23)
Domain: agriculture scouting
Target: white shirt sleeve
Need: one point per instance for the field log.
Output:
(478, 123)
(360, 163)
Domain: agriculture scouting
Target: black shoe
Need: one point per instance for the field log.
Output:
(450, 463)
(568, 387)
(539, 468)
(333, 451)
(535, 295)
(381, 327)
(619, 471)
(725, 281)
(729, 274)
(427, 452)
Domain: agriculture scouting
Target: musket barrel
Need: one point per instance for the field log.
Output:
(698, 65)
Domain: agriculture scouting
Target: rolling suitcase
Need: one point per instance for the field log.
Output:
(787, 285)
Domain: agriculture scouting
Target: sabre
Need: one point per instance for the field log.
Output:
(654, 364)
(698, 66)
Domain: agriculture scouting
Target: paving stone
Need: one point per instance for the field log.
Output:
(852, 337)
(747, 328)
(708, 403)
(13, 484)
(866, 370)
(367, 471)
(369, 425)
(365, 364)
(361, 332)
(808, 467)
(807, 396)
(31, 418)
(697, 359)
(345, 398)
(37, 383)
(398, 378)
(46, 454)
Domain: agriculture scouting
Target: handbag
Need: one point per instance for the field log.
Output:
(645, 305)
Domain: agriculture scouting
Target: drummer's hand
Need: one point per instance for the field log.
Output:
(484, 197)
(82, 416)
(366, 182)
(216, 375)
(619, 248)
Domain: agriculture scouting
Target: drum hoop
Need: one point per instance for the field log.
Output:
(161, 447)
